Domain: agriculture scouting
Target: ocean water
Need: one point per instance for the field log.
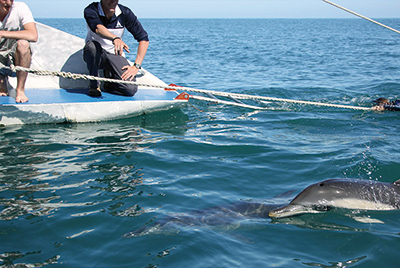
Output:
(157, 190)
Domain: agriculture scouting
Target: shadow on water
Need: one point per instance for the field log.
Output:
(52, 170)
(170, 122)
(41, 162)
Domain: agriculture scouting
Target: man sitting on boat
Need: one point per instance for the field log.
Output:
(17, 29)
(104, 49)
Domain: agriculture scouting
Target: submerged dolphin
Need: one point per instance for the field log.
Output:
(342, 193)
(226, 217)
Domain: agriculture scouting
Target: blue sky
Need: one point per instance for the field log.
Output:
(225, 8)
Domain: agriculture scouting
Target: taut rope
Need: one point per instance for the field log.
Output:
(188, 89)
(361, 16)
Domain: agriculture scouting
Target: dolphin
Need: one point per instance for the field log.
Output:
(225, 217)
(342, 193)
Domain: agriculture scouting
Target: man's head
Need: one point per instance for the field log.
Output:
(382, 101)
(5, 5)
(107, 5)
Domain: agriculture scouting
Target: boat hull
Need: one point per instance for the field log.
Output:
(74, 106)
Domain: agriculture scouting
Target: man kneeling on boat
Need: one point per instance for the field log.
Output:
(18, 28)
(106, 21)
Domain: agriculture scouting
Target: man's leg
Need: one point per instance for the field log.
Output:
(92, 54)
(3, 85)
(23, 57)
(114, 64)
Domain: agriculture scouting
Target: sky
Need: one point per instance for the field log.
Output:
(225, 8)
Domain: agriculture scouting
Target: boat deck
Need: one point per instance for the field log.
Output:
(53, 96)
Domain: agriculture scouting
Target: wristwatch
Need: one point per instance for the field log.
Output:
(137, 65)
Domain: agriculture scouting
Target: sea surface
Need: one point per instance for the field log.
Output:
(157, 190)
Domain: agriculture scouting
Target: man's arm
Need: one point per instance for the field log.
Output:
(142, 50)
(29, 33)
(131, 71)
(119, 45)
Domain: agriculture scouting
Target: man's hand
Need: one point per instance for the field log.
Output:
(119, 46)
(130, 72)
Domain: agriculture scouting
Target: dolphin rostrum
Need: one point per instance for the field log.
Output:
(342, 193)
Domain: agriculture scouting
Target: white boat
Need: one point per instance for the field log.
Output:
(60, 100)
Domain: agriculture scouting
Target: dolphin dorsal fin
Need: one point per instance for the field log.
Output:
(397, 183)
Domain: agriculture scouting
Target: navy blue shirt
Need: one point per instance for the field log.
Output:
(123, 19)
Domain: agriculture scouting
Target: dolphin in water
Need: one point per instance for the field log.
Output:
(227, 217)
(342, 193)
(319, 197)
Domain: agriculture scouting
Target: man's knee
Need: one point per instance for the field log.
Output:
(127, 89)
(23, 47)
(92, 48)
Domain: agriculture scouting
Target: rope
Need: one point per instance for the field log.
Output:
(255, 97)
(361, 16)
(74, 76)
(179, 88)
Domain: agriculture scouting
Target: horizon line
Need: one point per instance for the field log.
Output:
(233, 18)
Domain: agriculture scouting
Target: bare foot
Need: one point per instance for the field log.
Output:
(21, 97)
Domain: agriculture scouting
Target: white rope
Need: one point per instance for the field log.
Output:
(255, 97)
(361, 16)
(216, 100)
(188, 89)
